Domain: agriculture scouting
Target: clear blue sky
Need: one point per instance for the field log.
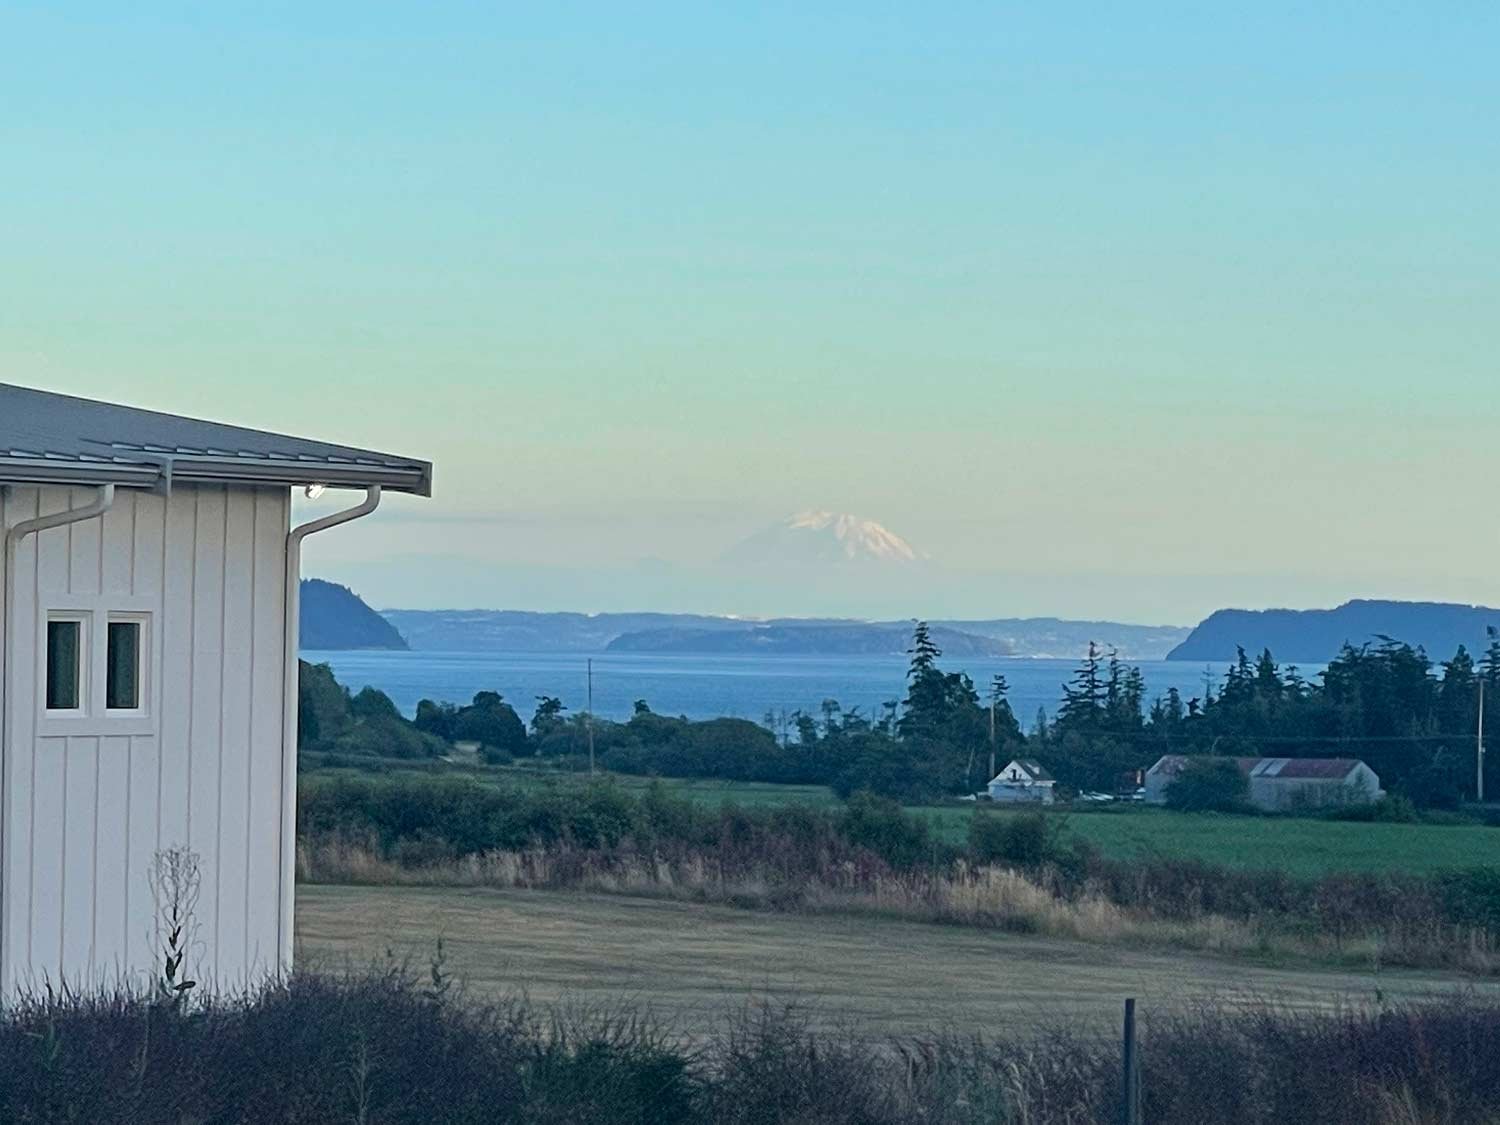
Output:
(1116, 309)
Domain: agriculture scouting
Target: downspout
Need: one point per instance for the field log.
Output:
(291, 629)
(104, 499)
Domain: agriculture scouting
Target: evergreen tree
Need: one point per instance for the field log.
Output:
(1458, 697)
(924, 652)
(1268, 684)
(1128, 717)
(1007, 726)
(1489, 665)
(1043, 728)
(807, 728)
(1295, 687)
(831, 711)
(1083, 696)
(925, 706)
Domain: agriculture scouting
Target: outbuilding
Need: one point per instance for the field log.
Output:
(148, 683)
(1283, 784)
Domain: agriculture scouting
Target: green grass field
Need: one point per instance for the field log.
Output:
(704, 791)
(1304, 847)
(1297, 845)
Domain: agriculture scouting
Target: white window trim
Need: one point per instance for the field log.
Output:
(93, 718)
(84, 622)
(143, 677)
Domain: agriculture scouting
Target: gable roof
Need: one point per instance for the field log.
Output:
(1033, 770)
(48, 438)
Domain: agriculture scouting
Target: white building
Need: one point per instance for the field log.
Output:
(1024, 780)
(1283, 784)
(148, 682)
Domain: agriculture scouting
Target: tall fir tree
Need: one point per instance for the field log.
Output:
(1082, 705)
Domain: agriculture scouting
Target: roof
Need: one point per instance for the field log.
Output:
(1033, 770)
(48, 438)
(1332, 769)
(1293, 769)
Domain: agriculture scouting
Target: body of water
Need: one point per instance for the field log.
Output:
(709, 686)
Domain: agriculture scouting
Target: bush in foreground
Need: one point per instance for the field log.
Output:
(384, 1047)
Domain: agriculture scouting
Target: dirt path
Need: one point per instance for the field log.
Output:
(692, 963)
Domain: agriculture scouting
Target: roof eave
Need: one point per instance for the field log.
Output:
(415, 479)
(44, 471)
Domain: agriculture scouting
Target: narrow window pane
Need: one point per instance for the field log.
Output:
(122, 685)
(62, 665)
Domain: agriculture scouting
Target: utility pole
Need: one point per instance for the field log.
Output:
(992, 733)
(591, 716)
(1479, 749)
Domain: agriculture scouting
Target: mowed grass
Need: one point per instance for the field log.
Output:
(693, 964)
(1301, 846)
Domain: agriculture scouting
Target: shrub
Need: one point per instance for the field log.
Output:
(1209, 785)
(383, 1046)
(330, 720)
(1472, 897)
(372, 703)
(903, 771)
(1391, 809)
(1028, 839)
(882, 826)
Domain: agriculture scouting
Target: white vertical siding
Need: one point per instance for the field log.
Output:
(84, 811)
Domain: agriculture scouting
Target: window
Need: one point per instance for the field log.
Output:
(64, 665)
(122, 674)
(94, 668)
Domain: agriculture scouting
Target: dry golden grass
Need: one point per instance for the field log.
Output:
(988, 897)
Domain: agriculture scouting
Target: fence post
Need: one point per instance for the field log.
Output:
(1130, 1111)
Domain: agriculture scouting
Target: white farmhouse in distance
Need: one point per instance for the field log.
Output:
(1023, 781)
(148, 682)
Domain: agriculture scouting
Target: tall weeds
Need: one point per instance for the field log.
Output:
(379, 1047)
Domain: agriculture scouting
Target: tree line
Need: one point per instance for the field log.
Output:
(1386, 703)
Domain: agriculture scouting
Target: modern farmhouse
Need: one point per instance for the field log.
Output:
(148, 683)
(1283, 784)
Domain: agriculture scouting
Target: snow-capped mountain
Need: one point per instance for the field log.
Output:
(821, 539)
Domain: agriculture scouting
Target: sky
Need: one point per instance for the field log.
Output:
(1127, 311)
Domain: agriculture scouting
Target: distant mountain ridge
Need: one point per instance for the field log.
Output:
(335, 617)
(1059, 637)
(833, 639)
(1317, 635)
(517, 630)
(489, 630)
